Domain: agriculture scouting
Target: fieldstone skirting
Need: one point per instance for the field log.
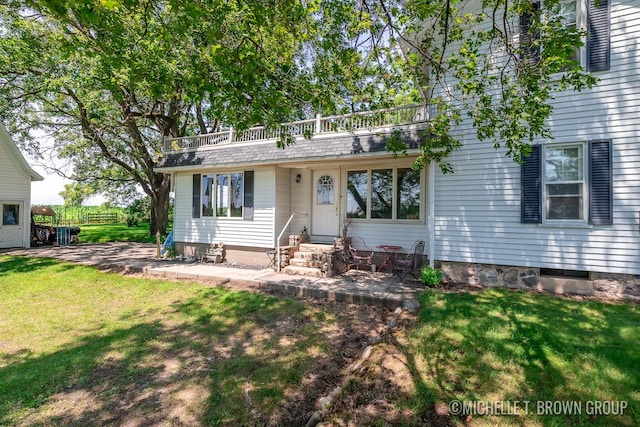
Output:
(607, 285)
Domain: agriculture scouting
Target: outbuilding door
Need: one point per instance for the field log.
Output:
(326, 198)
(11, 227)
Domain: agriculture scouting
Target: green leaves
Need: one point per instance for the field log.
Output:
(473, 59)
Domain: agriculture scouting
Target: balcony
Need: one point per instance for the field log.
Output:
(360, 122)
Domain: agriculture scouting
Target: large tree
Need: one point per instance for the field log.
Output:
(104, 81)
(498, 64)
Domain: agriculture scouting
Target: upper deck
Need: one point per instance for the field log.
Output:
(365, 122)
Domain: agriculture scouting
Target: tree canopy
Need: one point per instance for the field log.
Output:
(106, 80)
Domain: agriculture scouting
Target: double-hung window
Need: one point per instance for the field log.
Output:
(568, 184)
(564, 182)
(592, 16)
(384, 193)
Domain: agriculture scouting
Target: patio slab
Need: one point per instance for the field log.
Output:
(353, 287)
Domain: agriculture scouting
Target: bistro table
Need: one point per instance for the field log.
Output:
(391, 251)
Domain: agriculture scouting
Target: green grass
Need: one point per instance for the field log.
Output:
(101, 233)
(509, 346)
(81, 347)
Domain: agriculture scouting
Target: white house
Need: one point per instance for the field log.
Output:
(15, 194)
(566, 220)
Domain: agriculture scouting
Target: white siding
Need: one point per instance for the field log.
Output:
(15, 183)
(15, 188)
(232, 231)
(283, 200)
(477, 209)
(300, 200)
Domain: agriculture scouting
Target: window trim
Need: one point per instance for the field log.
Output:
(585, 185)
(394, 191)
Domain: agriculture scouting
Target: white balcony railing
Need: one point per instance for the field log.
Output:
(354, 122)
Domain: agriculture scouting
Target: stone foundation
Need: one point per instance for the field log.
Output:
(605, 285)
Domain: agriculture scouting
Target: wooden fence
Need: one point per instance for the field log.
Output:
(101, 218)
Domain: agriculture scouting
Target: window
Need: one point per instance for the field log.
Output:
(568, 12)
(594, 54)
(229, 195)
(568, 182)
(382, 193)
(392, 193)
(10, 214)
(223, 195)
(357, 184)
(207, 195)
(325, 190)
(564, 184)
(408, 190)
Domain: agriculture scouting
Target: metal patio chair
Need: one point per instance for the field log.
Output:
(360, 253)
(410, 263)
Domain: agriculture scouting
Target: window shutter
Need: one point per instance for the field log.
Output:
(600, 183)
(195, 211)
(530, 52)
(531, 206)
(248, 196)
(598, 35)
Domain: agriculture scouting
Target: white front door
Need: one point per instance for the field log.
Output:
(11, 226)
(326, 200)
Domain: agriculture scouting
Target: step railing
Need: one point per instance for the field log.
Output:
(353, 122)
(278, 252)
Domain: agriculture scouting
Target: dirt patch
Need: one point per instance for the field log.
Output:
(160, 383)
(377, 392)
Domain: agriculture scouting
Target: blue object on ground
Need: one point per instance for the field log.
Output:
(168, 243)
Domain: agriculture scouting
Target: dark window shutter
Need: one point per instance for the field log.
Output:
(248, 195)
(598, 35)
(195, 211)
(600, 183)
(530, 51)
(531, 206)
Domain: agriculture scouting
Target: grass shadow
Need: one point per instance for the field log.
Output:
(501, 345)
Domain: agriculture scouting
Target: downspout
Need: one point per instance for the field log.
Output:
(432, 209)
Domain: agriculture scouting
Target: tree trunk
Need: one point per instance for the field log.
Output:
(160, 205)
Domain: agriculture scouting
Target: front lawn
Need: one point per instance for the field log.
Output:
(118, 232)
(500, 357)
(82, 347)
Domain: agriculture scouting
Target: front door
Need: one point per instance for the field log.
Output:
(11, 226)
(326, 198)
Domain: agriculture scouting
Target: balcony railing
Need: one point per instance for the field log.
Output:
(354, 122)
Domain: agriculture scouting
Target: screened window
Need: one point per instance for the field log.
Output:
(393, 193)
(564, 182)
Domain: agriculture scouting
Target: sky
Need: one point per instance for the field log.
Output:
(47, 192)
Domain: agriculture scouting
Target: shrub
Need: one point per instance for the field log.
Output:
(431, 276)
(138, 211)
